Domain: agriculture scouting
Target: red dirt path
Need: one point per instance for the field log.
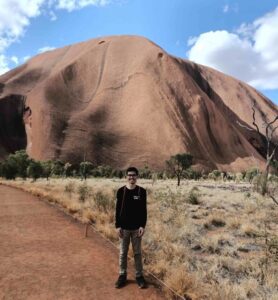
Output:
(44, 255)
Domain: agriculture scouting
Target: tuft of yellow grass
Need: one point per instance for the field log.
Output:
(182, 282)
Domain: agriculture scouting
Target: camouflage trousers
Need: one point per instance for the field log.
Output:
(136, 246)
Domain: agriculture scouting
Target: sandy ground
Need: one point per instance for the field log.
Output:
(45, 255)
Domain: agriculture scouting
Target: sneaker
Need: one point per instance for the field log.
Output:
(120, 282)
(141, 282)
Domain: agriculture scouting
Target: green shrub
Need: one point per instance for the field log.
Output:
(117, 173)
(85, 169)
(231, 176)
(105, 171)
(192, 174)
(47, 167)
(20, 161)
(35, 170)
(8, 169)
(251, 173)
(145, 173)
(215, 174)
(68, 169)
(57, 168)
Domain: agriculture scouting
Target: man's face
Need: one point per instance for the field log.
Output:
(131, 177)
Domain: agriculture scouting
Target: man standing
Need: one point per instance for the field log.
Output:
(131, 219)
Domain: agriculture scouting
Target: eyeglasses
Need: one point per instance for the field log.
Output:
(131, 175)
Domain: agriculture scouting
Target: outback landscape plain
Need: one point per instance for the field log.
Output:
(206, 239)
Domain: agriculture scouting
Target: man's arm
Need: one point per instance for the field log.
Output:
(144, 209)
(118, 207)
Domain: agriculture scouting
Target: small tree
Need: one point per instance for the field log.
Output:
(35, 170)
(178, 163)
(85, 169)
(47, 167)
(117, 173)
(21, 160)
(68, 168)
(145, 172)
(8, 169)
(192, 174)
(57, 168)
(270, 143)
(104, 171)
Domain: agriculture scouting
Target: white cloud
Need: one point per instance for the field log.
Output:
(226, 8)
(192, 40)
(16, 15)
(25, 58)
(246, 30)
(52, 15)
(250, 53)
(71, 5)
(15, 60)
(44, 49)
(230, 8)
(3, 64)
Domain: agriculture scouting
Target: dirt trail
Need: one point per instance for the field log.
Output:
(44, 255)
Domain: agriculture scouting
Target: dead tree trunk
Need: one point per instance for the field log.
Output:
(268, 137)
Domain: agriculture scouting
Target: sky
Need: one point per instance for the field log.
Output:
(239, 38)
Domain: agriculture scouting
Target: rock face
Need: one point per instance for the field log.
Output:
(122, 100)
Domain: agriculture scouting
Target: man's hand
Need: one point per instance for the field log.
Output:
(120, 232)
(141, 231)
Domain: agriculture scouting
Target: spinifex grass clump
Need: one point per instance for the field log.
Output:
(84, 192)
(193, 196)
(70, 188)
(215, 220)
(104, 201)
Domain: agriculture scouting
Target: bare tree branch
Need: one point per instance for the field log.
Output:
(273, 152)
(275, 201)
(244, 126)
(254, 120)
(268, 126)
(273, 130)
(268, 139)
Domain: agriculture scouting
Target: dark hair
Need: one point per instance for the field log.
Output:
(132, 169)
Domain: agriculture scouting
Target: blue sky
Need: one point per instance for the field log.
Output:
(239, 38)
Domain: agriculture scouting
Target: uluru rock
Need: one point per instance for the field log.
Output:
(122, 100)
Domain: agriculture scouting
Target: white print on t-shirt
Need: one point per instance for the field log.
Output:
(136, 197)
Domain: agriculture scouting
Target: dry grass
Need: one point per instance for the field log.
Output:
(206, 240)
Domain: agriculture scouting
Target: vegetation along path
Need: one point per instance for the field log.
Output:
(45, 255)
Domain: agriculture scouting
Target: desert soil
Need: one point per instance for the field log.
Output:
(45, 255)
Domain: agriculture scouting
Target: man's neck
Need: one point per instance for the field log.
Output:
(131, 186)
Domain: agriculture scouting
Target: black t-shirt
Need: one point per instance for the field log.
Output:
(131, 208)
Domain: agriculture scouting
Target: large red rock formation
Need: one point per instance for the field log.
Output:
(122, 100)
